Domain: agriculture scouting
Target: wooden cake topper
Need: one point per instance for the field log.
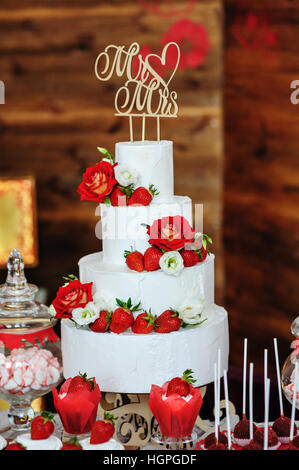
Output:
(145, 93)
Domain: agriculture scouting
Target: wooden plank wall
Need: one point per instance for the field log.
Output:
(261, 219)
(57, 113)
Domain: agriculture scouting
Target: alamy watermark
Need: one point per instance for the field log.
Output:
(2, 92)
(294, 97)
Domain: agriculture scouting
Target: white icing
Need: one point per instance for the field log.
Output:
(112, 444)
(3, 442)
(131, 363)
(155, 290)
(154, 162)
(122, 227)
(52, 443)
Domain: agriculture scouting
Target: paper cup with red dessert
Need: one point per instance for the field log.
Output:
(77, 403)
(176, 405)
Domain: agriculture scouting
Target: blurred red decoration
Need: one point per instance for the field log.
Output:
(193, 40)
(167, 8)
(253, 31)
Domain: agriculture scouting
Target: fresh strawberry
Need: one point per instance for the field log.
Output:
(122, 317)
(144, 323)
(103, 430)
(72, 444)
(190, 257)
(134, 260)
(15, 446)
(151, 258)
(168, 321)
(142, 196)
(101, 325)
(181, 385)
(202, 254)
(118, 197)
(81, 382)
(42, 426)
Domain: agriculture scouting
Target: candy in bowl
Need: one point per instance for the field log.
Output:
(30, 353)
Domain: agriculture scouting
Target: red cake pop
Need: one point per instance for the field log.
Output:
(296, 441)
(210, 440)
(253, 445)
(282, 427)
(218, 446)
(272, 438)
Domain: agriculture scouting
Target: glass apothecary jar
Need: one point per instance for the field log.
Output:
(30, 351)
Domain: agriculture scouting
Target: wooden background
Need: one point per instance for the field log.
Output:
(57, 113)
(261, 217)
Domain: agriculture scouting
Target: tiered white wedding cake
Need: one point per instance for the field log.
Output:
(127, 362)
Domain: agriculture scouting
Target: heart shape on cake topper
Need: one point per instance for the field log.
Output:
(136, 98)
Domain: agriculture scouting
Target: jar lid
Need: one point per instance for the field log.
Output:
(18, 309)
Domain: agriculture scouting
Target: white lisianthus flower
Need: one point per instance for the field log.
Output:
(190, 311)
(85, 315)
(126, 175)
(104, 301)
(171, 262)
(52, 311)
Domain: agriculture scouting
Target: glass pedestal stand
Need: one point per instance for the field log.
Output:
(174, 443)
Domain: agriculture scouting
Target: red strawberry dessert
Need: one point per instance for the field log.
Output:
(296, 441)
(151, 258)
(41, 434)
(101, 325)
(122, 318)
(42, 426)
(101, 435)
(142, 196)
(134, 260)
(144, 323)
(72, 444)
(80, 382)
(282, 428)
(210, 440)
(181, 385)
(273, 442)
(176, 405)
(15, 446)
(167, 322)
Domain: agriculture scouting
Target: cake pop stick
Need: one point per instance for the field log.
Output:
(266, 423)
(278, 377)
(216, 402)
(294, 403)
(251, 401)
(218, 384)
(244, 379)
(229, 438)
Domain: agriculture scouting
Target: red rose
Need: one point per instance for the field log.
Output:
(73, 295)
(98, 182)
(171, 233)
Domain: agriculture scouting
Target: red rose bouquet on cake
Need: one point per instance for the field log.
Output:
(176, 405)
(77, 403)
(71, 295)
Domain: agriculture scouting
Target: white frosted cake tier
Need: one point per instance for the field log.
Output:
(155, 290)
(131, 363)
(122, 226)
(154, 162)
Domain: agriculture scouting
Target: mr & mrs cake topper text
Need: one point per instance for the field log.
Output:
(145, 92)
